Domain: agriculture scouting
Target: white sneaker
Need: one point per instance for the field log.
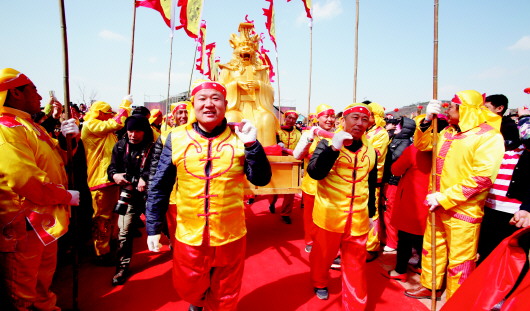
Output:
(388, 249)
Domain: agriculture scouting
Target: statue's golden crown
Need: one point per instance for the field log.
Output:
(247, 37)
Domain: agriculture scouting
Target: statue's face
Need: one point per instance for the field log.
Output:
(245, 52)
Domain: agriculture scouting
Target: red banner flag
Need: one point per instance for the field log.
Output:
(267, 61)
(190, 16)
(162, 6)
(307, 7)
(270, 24)
(213, 72)
(201, 47)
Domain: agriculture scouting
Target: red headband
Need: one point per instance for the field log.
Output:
(359, 109)
(329, 111)
(209, 85)
(291, 112)
(17, 81)
(178, 107)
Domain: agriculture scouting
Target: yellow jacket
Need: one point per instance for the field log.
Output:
(32, 181)
(289, 139)
(99, 138)
(220, 193)
(379, 139)
(343, 193)
(467, 162)
(309, 185)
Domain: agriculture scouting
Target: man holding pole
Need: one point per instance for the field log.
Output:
(468, 157)
(208, 161)
(34, 201)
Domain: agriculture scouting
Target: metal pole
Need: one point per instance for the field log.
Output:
(278, 83)
(356, 52)
(132, 48)
(69, 163)
(310, 66)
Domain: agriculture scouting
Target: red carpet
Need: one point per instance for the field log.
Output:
(276, 275)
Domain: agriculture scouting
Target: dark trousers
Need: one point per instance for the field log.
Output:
(406, 242)
(495, 228)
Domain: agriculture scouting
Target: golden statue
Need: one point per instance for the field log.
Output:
(250, 94)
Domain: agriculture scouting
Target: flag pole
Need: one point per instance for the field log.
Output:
(193, 67)
(434, 146)
(310, 67)
(356, 51)
(132, 47)
(169, 76)
(278, 83)
(69, 163)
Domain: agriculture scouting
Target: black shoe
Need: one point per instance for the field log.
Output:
(337, 263)
(272, 208)
(194, 308)
(120, 277)
(106, 260)
(286, 219)
(308, 248)
(322, 293)
(372, 256)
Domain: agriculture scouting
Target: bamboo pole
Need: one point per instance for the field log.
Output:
(310, 67)
(132, 47)
(434, 155)
(69, 163)
(356, 52)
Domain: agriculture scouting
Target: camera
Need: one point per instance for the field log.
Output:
(126, 196)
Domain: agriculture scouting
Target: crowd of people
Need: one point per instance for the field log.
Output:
(367, 188)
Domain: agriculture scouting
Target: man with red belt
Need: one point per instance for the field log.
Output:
(287, 137)
(98, 135)
(34, 209)
(345, 167)
(468, 156)
(208, 161)
(304, 150)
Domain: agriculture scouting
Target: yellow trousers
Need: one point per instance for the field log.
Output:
(456, 243)
(104, 220)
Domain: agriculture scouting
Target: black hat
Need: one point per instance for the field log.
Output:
(137, 123)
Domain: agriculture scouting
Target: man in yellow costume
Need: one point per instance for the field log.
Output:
(304, 150)
(250, 94)
(156, 122)
(345, 168)
(34, 210)
(208, 161)
(287, 137)
(98, 135)
(378, 137)
(468, 156)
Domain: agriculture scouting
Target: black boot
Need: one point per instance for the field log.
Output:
(121, 276)
(194, 308)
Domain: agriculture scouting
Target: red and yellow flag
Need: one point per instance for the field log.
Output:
(307, 7)
(202, 61)
(267, 61)
(213, 68)
(162, 6)
(190, 16)
(270, 23)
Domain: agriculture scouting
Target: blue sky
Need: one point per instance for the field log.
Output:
(483, 45)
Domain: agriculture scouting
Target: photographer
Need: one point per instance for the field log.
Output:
(129, 168)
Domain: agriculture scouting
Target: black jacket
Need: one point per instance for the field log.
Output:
(396, 147)
(519, 185)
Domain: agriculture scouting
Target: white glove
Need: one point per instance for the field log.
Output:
(432, 200)
(281, 144)
(302, 148)
(69, 127)
(127, 101)
(434, 107)
(153, 243)
(339, 139)
(246, 131)
(75, 197)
